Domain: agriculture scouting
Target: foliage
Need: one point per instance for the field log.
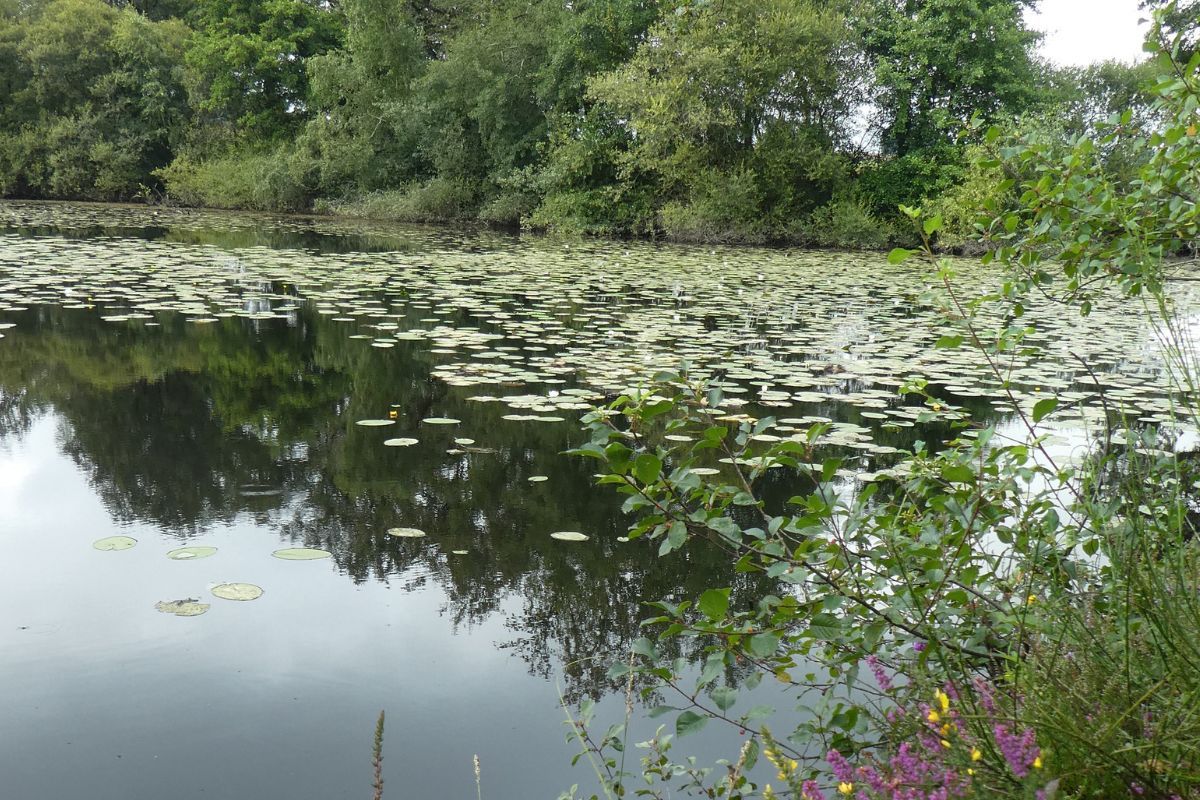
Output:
(249, 62)
(938, 62)
(93, 100)
(707, 122)
(980, 621)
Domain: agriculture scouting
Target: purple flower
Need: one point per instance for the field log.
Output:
(1019, 751)
(841, 767)
(881, 676)
(918, 646)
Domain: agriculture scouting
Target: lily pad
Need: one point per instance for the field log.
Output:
(375, 423)
(114, 543)
(570, 536)
(301, 554)
(237, 591)
(441, 420)
(189, 607)
(399, 442)
(406, 533)
(191, 553)
(537, 478)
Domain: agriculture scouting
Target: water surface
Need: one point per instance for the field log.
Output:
(190, 378)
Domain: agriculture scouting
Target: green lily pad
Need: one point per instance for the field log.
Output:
(375, 423)
(537, 478)
(190, 553)
(190, 607)
(237, 591)
(406, 533)
(114, 543)
(441, 420)
(301, 553)
(570, 536)
(401, 442)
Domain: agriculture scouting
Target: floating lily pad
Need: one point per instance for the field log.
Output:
(406, 533)
(400, 442)
(375, 423)
(114, 543)
(570, 536)
(459, 552)
(237, 591)
(441, 420)
(464, 441)
(537, 478)
(301, 553)
(191, 553)
(190, 607)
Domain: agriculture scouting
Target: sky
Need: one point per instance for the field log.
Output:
(1079, 32)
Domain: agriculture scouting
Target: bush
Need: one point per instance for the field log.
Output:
(847, 224)
(983, 622)
(273, 180)
(439, 200)
(721, 207)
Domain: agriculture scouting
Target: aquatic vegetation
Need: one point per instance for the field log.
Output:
(301, 554)
(114, 543)
(237, 591)
(191, 553)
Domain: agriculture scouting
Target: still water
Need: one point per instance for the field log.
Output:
(189, 379)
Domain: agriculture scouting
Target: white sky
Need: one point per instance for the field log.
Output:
(1079, 32)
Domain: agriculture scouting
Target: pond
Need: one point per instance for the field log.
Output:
(367, 424)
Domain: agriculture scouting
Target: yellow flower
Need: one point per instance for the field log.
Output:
(945, 744)
(975, 754)
(943, 700)
(1037, 763)
(845, 788)
(947, 728)
(933, 716)
(1030, 600)
(970, 771)
(769, 793)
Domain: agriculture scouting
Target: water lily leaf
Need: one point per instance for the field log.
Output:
(114, 543)
(191, 553)
(375, 423)
(237, 591)
(441, 421)
(301, 553)
(406, 533)
(400, 442)
(570, 536)
(190, 607)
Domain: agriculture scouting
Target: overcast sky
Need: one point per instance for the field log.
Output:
(1079, 32)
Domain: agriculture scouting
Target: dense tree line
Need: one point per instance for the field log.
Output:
(738, 120)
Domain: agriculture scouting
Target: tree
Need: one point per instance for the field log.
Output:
(94, 99)
(938, 62)
(741, 101)
(249, 58)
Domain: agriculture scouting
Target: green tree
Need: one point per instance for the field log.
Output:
(250, 61)
(938, 62)
(94, 99)
(736, 108)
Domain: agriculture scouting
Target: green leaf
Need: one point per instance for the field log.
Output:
(689, 722)
(948, 342)
(646, 467)
(899, 255)
(1044, 407)
(932, 225)
(714, 603)
(724, 697)
(763, 645)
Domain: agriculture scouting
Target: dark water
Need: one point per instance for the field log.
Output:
(240, 434)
